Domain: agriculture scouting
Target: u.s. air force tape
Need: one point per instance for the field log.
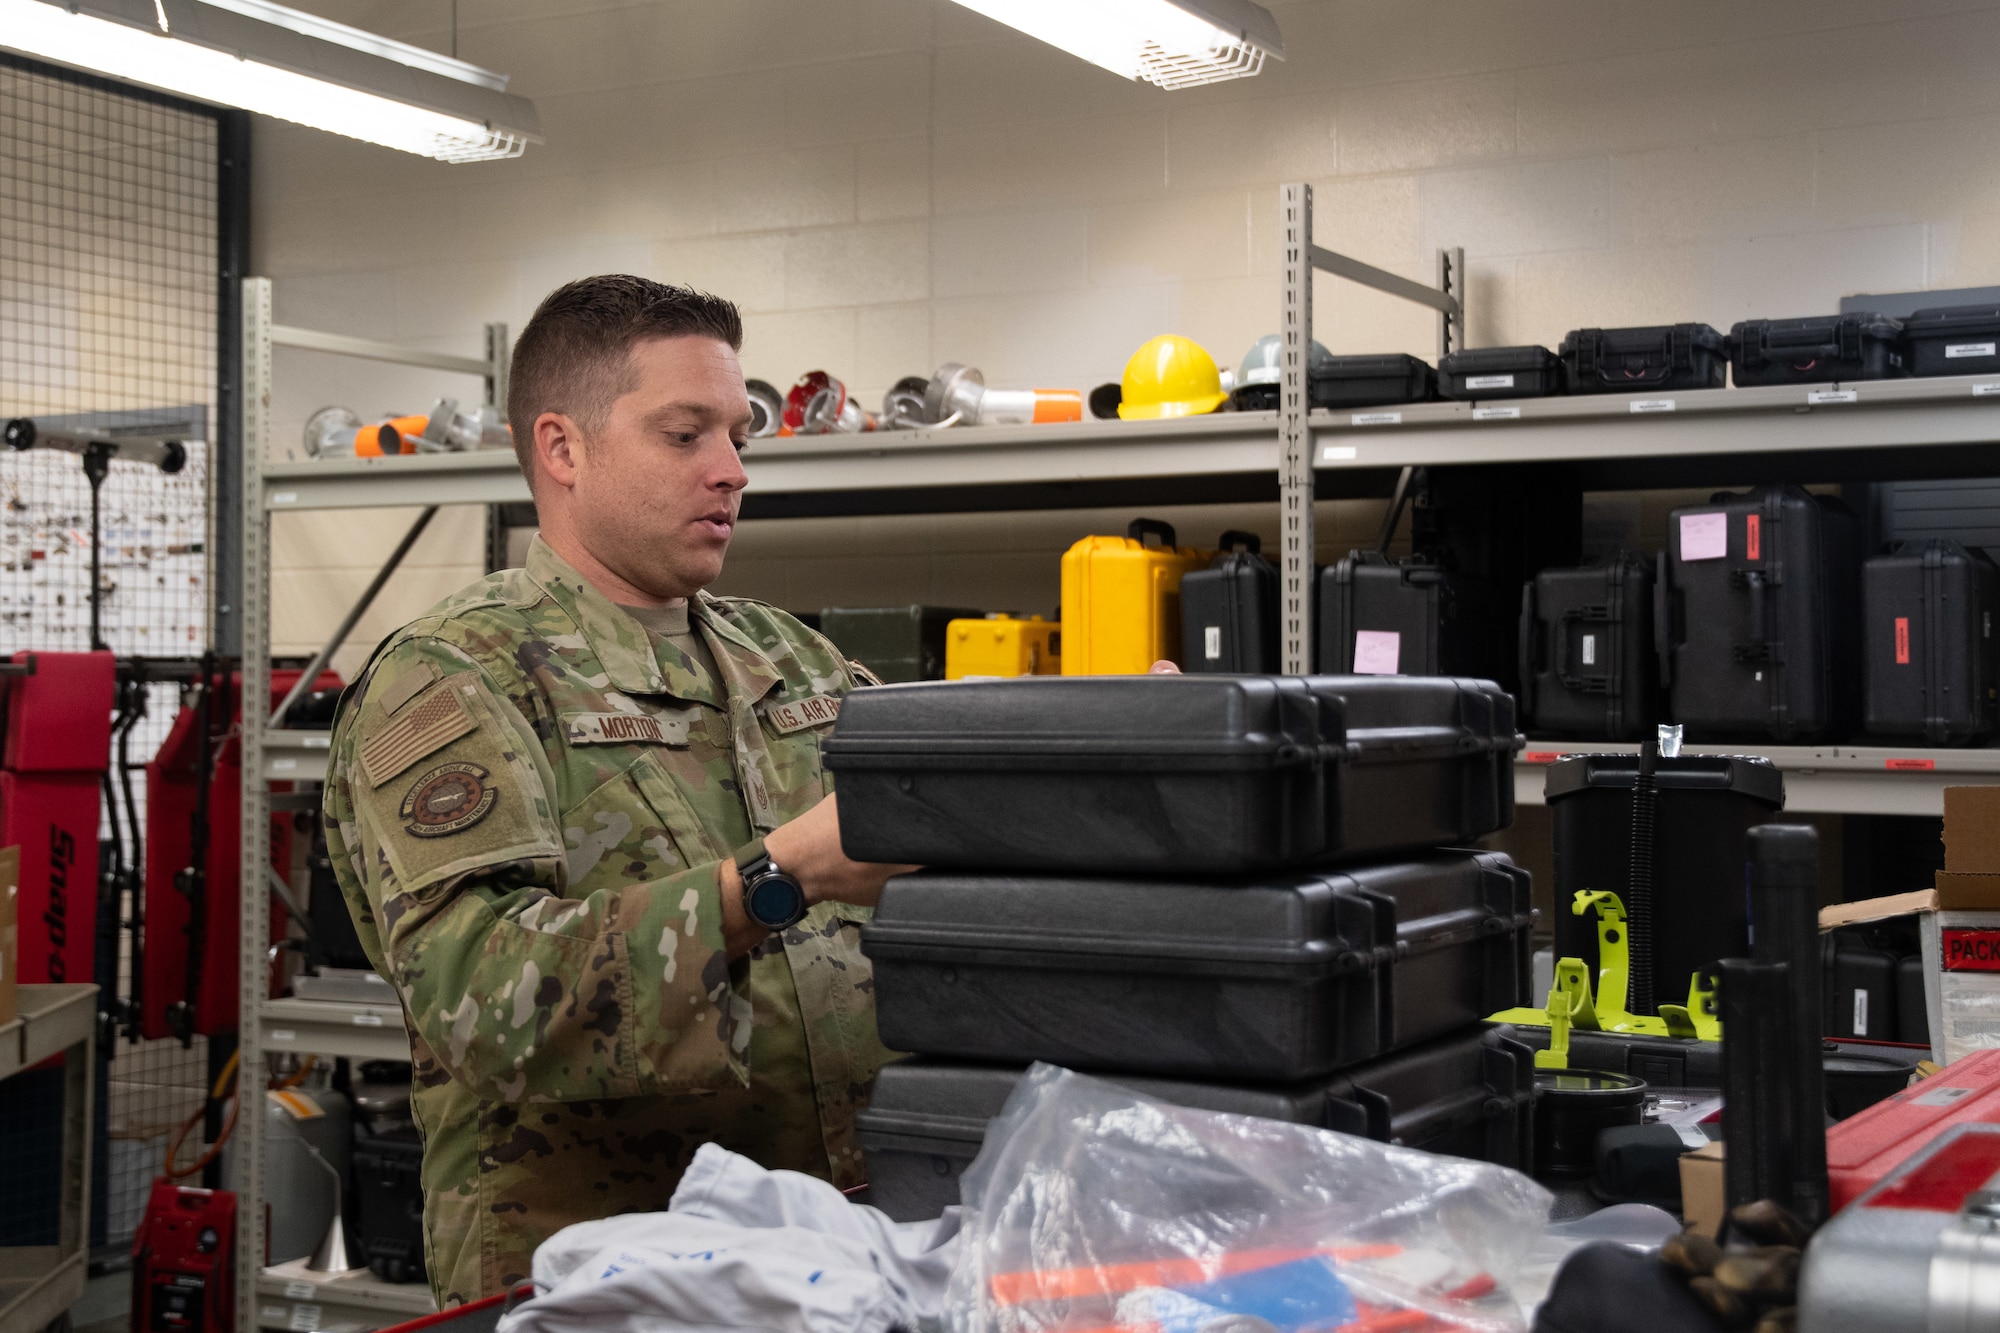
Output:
(797, 714)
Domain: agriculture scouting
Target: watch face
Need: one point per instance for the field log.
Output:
(775, 902)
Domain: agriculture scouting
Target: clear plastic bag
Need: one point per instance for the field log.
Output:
(1094, 1208)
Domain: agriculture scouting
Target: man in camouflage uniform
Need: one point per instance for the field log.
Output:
(539, 796)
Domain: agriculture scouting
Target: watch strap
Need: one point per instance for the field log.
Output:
(749, 854)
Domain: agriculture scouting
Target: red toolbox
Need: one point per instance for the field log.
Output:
(1865, 1148)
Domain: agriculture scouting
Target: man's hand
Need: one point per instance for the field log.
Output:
(808, 849)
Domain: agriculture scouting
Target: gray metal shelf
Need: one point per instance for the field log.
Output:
(330, 1027)
(38, 1283)
(1819, 779)
(293, 1300)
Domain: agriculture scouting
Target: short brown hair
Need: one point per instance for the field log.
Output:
(574, 356)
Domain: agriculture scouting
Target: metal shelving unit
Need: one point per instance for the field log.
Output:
(38, 1283)
(1931, 427)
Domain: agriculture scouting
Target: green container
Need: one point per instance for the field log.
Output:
(897, 643)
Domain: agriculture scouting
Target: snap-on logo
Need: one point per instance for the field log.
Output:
(62, 857)
(1972, 950)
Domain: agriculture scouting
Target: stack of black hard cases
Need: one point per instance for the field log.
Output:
(1229, 891)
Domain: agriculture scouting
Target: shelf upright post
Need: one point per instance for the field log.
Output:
(1451, 281)
(498, 352)
(1295, 441)
(254, 919)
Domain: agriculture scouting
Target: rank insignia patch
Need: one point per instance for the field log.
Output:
(448, 799)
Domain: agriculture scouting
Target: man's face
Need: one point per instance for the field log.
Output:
(657, 486)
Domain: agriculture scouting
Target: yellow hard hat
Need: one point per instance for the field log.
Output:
(1170, 376)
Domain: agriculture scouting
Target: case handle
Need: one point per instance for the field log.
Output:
(1140, 528)
(1232, 539)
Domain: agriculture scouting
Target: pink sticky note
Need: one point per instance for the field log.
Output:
(1377, 652)
(1704, 536)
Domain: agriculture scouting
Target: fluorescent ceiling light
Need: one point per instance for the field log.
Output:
(1173, 43)
(278, 62)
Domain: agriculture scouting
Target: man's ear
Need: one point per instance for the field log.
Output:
(558, 447)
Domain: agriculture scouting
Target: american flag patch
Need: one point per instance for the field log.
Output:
(433, 723)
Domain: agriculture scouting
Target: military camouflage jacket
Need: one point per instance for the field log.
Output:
(528, 805)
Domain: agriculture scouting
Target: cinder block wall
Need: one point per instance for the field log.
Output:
(887, 184)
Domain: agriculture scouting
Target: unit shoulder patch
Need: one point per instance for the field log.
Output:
(790, 715)
(448, 799)
(438, 720)
(624, 729)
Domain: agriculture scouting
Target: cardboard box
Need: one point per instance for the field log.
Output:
(1704, 1200)
(10, 950)
(1972, 830)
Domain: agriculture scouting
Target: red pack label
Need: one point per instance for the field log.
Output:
(1972, 950)
(1910, 765)
(1753, 537)
(1902, 640)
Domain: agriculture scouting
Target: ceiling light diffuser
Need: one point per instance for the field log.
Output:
(1172, 43)
(278, 62)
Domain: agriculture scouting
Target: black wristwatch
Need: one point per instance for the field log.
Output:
(773, 899)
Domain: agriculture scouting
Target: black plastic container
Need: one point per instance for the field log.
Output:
(1817, 350)
(1190, 774)
(1405, 618)
(1953, 340)
(1468, 1095)
(1372, 381)
(1229, 611)
(1280, 979)
(388, 1210)
(1500, 372)
(1759, 616)
(1930, 662)
(1659, 1062)
(1574, 1106)
(897, 643)
(1859, 990)
(1706, 806)
(1856, 1080)
(1588, 667)
(1666, 357)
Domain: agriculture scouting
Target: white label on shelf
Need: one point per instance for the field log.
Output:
(1377, 652)
(1985, 390)
(283, 765)
(1652, 404)
(1590, 650)
(1211, 642)
(281, 1034)
(305, 1318)
(1704, 536)
(366, 1020)
(300, 1291)
(1821, 397)
(1496, 414)
(273, 1316)
(1860, 1011)
(1489, 381)
(316, 742)
(1335, 453)
(1953, 351)
(1377, 418)
(284, 497)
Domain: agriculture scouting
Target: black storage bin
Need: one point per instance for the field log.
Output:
(1858, 990)
(1229, 611)
(1953, 340)
(1759, 616)
(1706, 806)
(1500, 372)
(1929, 662)
(1285, 978)
(1192, 774)
(1411, 618)
(388, 1209)
(1588, 667)
(897, 643)
(1661, 1062)
(1666, 357)
(1371, 381)
(1470, 1095)
(1816, 350)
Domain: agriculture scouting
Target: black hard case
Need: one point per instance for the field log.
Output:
(388, 1210)
(897, 643)
(1929, 663)
(1229, 611)
(1953, 340)
(1858, 991)
(1468, 1095)
(1443, 621)
(1282, 978)
(1500, 372)
(1663, 1062)
(1191, 774)
(1588, 668)
(1764, 641)
(1372, 381)
(1816, 350)
(1706, 807)
(1664, 357)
